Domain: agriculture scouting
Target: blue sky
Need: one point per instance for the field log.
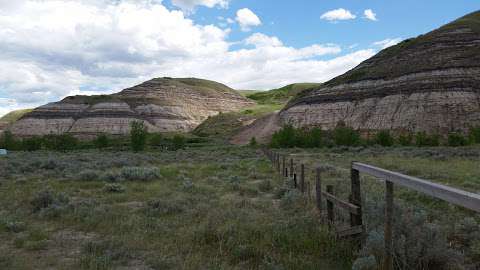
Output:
(50, 49)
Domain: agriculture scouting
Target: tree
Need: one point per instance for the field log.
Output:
(384, 138)
(178, 142)
(347, 136)
(9, 142)
(102, 141)
(32, 144)
(138, 136)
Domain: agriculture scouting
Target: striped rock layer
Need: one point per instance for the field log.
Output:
(430, 83)
(163, 104)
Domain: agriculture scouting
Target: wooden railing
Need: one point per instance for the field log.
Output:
(354, 205)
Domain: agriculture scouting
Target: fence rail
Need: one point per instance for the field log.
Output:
(354, 205)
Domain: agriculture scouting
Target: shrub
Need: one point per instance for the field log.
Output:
(285, 137)
(156, 139)
(474, 134)
(88, 175)
(114, 188)
(165, 207)
(9, 142)
(139, 173)
(178, 142)
(253, 142)
(423, 139)
(102, 141)
(456, 139)
(47, 199)
(138, 136)
(405, 139)
(315, 138)
(32, 144)
(64, 142)
(384, 138)
(345, 136)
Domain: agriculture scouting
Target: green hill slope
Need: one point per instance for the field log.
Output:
(281, 95)
(14, 115)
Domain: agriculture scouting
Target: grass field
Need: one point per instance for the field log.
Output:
(221, 207)
(215, 207)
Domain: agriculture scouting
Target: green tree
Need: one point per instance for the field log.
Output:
(456, 139)
(253, 142)
(138, 136)
(102, 141)
(178, 142)
(285, 137)
(63, 142)
(156, 139)
(405, 139)
(474, 134)
(9, 142)
(384, 138)
(32, 144)
(423, 139)
(315, 138)
(346, 136)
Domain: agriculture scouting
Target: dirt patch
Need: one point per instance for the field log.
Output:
(262, 129)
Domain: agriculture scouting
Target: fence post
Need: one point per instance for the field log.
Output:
(278, 164)
(302, 178)
(283, 163)
(291, 167)
(294, 180)
(388, 262)
(330, 213)
(355, 198)
(318, 190)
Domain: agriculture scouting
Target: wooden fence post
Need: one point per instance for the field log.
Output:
(278, 164)
(355, 198)
(388, 262)
(291, 167)
(330, 213)
(283, 163)
(318, 190)
(302, 178)
(294, 180)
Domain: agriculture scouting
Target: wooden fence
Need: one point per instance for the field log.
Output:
(354, 205)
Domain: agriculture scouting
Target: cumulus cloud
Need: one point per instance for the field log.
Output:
(189, 5)
(383, 44)
(370, 15)
(246, 18)
(51, 49)
(338, 15)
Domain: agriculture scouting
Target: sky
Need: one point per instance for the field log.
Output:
(50, 49)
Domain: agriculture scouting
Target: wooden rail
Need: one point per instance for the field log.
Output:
(451, 195)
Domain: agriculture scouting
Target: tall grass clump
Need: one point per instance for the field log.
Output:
(138, 136)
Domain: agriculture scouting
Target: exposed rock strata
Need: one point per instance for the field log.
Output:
(165, 105)
(430, 83)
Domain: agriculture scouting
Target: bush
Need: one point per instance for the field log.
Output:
(47, 199)
(345, 136)
(102, 141)
(9, 142)
(32, 144)
(315, 138)
(88, 175)
(456, 139)
(64, 142)
(253, 142)
(178, 142)
(405, 139)
(285, 137)
(138, 136)
(384, 138)
(156, 139)
(474, 134)
(139, 173)
(114, 188)
(423, 139)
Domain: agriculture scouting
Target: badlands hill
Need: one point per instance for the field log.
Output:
(164, 104)
(430, 83)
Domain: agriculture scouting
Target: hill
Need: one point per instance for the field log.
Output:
(163, 104)
(14, 115)
(430, 83)
(230, 125)
(281, 95)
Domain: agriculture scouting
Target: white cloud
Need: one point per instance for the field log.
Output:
(52, 49)
(189, 5)
(383, 44)
(370, 15)
(246, 18)
(338, 15)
